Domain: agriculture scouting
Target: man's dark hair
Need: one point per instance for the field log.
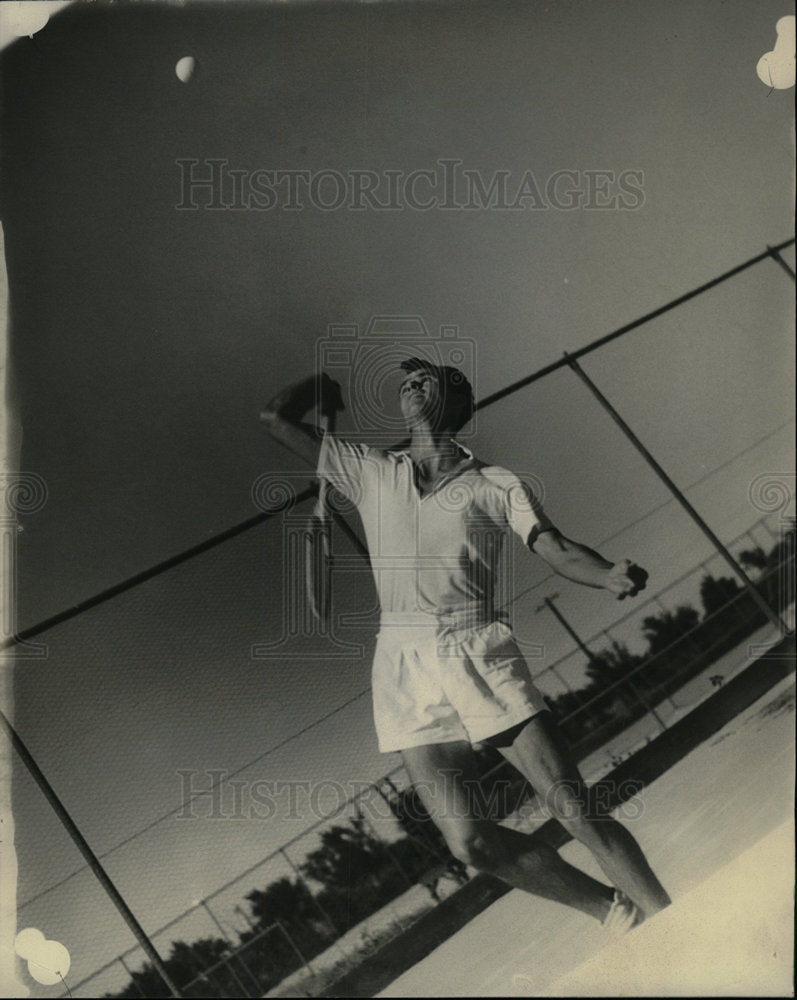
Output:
(453, 383)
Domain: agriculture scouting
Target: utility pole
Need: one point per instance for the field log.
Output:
(245, 915)
(549, 603)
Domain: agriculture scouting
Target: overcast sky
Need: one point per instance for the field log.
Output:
(145, 338)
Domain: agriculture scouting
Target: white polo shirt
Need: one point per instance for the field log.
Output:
(440, 552)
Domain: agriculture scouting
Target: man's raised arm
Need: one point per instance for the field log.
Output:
(583, 565)
(283, 415)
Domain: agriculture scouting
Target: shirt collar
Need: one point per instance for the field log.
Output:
(406, 450)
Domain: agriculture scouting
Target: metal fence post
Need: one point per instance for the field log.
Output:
(132, 979)
(319, 907)
(88, 854)
(204, 904)
(775, 255)
(763, 605)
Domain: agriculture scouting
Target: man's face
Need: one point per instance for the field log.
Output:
(419, 395)
(422, 398)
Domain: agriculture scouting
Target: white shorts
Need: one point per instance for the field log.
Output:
(437, 682)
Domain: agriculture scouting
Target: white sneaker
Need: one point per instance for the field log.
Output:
(622, 916)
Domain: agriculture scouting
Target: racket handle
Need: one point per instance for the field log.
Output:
(318, 546)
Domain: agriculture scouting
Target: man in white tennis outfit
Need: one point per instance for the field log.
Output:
(447, 671)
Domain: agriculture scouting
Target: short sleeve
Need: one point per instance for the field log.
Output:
(518, 505)
(524, 511)
(345, 465)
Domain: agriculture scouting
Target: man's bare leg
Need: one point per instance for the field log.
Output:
(446, 778)
(541, 755)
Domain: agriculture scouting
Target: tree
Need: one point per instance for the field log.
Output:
(611, 667)
(674, 644)
(668, 628)
(754, 559)
(717, 592)
(568, 709)
(348, 855)
(291, 904)
(413, 818)
(285, 900)
(186, 963)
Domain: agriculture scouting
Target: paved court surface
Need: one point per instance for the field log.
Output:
(744, 949)
(705, 826)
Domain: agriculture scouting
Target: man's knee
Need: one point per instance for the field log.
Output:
(567, 801)
(593, 831)
(475, 846)
(570, 802)
(484, 848)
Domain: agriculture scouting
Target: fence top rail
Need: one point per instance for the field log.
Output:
(771, 253)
